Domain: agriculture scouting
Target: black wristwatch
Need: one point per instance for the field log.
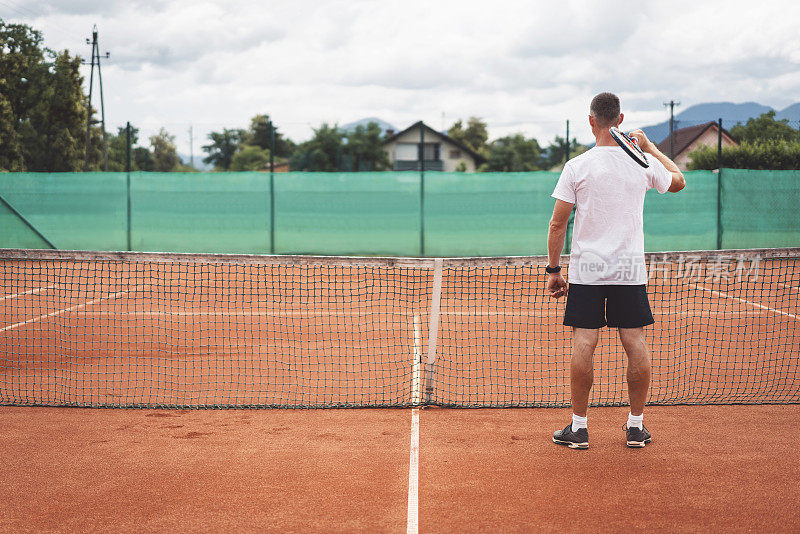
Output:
(552, 270)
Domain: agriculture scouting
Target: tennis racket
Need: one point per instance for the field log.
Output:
(630, 146)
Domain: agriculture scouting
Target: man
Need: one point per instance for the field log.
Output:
(607, 271)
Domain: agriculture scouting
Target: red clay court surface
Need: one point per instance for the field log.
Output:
(137, 333)
(709, 469)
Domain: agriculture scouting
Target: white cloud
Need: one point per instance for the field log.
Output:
(521, 65)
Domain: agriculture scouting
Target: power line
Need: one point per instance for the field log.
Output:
(25, 12)
(28, 14)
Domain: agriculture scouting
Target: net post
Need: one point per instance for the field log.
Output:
(433, 329)
(719, 184)
(416, 397)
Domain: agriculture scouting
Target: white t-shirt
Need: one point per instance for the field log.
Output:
(607, 188)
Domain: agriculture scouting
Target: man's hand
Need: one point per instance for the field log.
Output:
(678, 181)
(641, 139)
(556, 285)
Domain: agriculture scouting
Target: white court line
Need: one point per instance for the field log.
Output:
(787, 286)
(65, 310)
(31, 292)
(412, 517)
(744, 301)
(412, 524)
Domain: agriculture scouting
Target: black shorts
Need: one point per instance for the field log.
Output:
(613, 305)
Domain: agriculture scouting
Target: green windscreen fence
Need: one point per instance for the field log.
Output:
(200, 212)
(487, 214)
(347, 213)
(760, 207)
(72, 210)
(686, 220)
(389, 213)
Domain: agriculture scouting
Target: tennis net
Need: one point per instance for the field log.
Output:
(108, 329)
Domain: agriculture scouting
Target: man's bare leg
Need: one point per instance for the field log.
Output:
(638, 375)
(581, 372)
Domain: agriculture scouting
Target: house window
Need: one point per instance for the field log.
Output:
(432, 151)
(406, 152)
(455, 154)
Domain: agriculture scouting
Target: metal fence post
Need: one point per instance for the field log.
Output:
(421, 188)
(271, 188)
(128, 183)
(719, 184)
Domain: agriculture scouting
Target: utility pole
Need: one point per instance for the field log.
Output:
(89, 121)
(566, 155)
(191, 147)
(671, 104)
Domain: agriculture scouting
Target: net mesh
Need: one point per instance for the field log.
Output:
(188, 330)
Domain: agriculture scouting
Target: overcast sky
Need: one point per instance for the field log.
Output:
(523, 66)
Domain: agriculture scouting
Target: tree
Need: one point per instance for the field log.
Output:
(142, 159)
(365, 148)
(11, 158)
(513, 153)
(42, 104)
(165, 155)
(773, 154)
(117, 149)
(474, 135)
(323, 152)
(222, 147)
(553, 156)
(250, 158)
(258, 135)
(764, 128)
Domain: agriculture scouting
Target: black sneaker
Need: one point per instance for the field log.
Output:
(573, 440)
(637, 437)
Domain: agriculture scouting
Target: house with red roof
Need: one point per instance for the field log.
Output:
(686, 140)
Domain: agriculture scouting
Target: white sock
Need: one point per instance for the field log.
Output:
(578, 422)
(635, 420)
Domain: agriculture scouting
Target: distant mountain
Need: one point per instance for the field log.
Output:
(351, 126)
(792, 113)
(730, 113)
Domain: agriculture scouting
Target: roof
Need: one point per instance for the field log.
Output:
(684, 137)
(476, 156)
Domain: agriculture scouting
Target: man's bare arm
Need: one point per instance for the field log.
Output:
(556, 285)
(558, 231)
(678, 181)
